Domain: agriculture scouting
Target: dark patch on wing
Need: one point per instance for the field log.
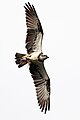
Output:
(42, 84)
(33, 25)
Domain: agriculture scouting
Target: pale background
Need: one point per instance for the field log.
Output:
(61, 24)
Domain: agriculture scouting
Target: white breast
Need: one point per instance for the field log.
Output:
(34, 55)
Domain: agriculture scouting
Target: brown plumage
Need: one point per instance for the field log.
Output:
(35, 57)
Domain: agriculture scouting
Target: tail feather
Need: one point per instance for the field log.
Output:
(19, 55)
(19, 59)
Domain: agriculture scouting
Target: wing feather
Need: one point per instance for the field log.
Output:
(34, 32)
(42, 84)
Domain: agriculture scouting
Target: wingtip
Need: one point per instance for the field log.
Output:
(49, 104)
(45, 106)
(24, 7)
(27, 5)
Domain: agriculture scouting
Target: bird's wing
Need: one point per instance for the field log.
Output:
(34, 30)
(42, 84)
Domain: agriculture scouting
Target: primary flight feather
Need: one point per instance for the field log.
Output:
(35, 57)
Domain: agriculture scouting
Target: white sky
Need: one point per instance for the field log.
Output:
(61, 25)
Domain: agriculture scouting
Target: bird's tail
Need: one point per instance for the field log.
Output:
(20, 60)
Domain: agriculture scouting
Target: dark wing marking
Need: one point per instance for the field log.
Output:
(42, 84)
(34, 32)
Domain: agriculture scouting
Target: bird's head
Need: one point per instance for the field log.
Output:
(42, 57)
(45, 57)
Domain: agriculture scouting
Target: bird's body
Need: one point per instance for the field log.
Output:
(35, 57)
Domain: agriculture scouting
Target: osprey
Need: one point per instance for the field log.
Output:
(35, 57)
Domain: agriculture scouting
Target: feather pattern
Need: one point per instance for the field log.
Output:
(34, 30)
(42, 84)
(35, 57)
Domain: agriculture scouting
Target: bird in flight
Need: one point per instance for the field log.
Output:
(35, 57)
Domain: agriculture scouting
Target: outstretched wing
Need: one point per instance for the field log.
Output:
(34, 30)
(42, 84)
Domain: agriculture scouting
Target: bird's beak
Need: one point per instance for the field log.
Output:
(47, 57)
